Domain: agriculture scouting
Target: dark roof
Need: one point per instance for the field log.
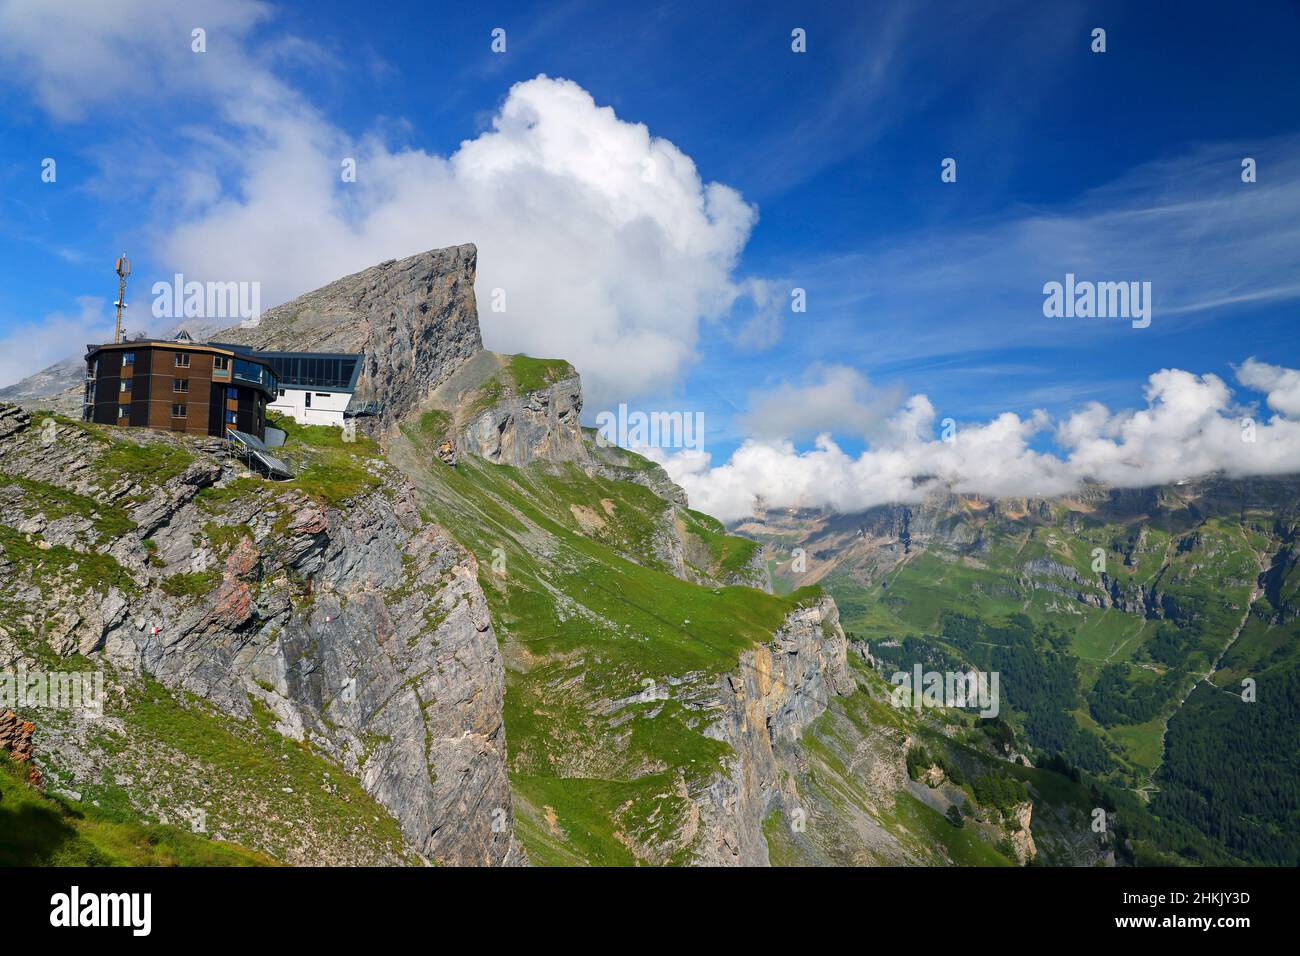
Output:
(214, 347)
(249, 350)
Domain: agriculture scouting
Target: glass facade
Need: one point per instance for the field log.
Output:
(255, 372)
(314, 371)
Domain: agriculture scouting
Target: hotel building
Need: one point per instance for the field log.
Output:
(180, 386)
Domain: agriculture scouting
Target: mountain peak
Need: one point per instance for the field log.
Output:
(415, 319)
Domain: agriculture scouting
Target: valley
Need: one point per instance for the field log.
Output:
(472, 632)
(1155, 611)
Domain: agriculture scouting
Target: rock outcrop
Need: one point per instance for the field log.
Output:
(16, 741)
(12, 420)
(1022, 836)
(414, 318)
(776, 692)
(522, 427)
(358, 624)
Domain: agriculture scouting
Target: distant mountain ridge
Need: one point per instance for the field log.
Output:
(1154, 610)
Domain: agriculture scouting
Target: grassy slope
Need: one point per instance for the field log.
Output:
(257, 787)
(586, 614)
(41, 830)
(324, 465)
(530, 374)
(168, 755)
(1206, 566)
(517, 375)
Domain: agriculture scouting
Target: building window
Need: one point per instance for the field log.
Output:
(182, 359)
(128, 358)
(307, 398)
(123, 411)
(178, 411)
(126, 385)
(232, 393)
(230, 418)
(180, 385)
(220, 364)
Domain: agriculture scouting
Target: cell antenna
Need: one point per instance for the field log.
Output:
(123, 269)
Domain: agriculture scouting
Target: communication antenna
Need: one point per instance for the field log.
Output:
(123, 269)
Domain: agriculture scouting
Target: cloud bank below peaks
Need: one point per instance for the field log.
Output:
(1191, 426)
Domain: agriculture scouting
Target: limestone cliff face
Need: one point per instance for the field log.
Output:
(415, 319)
(359, 625)
(777, 690)
(1023, 837)
(523, 427)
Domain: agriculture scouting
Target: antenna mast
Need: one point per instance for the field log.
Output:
(123, 269)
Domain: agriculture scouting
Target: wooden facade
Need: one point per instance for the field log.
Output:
(178, 386)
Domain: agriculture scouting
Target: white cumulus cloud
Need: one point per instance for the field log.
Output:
(598, 241)
(1190, 427)
(1281, 384)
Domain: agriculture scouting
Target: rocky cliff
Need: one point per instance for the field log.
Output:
(354, 623)
(511, 409)
(773, 695)
(538, 424)
(399, 605)
(646, 697)
(414, 318)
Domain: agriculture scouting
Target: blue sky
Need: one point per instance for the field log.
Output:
(1123, 165)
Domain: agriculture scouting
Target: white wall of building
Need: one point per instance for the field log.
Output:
(325, 408)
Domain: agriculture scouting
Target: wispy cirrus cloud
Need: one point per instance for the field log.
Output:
(1205, 240)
